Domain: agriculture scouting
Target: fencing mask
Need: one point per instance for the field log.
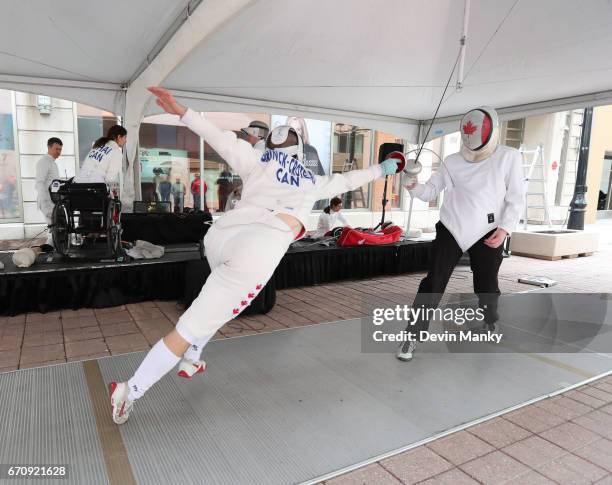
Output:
(479, 134)
(286, 139)
(257, 128)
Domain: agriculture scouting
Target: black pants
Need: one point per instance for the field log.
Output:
(485, 263)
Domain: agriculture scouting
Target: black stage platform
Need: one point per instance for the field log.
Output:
(62, 284)
(181, 272)
(165, 229)
(307, 264)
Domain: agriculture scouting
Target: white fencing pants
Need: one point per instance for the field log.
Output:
(46, 206)
(242, 259)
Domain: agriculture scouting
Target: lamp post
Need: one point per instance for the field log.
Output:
(578, 204)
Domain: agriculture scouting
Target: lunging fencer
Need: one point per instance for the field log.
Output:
(483, 201)
(244, 246)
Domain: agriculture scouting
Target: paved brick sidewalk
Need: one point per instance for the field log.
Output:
(566, 439)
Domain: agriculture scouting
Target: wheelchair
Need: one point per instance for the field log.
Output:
(84, 210)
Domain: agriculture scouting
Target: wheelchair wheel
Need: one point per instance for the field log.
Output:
(114, 241)
(61, 228)
(113, 226)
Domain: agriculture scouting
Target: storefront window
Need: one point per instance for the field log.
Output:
(169, 162)
(10, 205)
(604, 199)
(224, 185)
(394, 188)
(352, 150)
(92, 124)
(316, 136)
(170, 155)
(431, 158)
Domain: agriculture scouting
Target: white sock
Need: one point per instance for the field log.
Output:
(194, 352)
(157, 363)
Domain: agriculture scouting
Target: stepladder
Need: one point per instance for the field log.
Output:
(536, 196)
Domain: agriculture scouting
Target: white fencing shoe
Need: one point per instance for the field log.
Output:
(406, 350)
(121, 405)
(189, 368)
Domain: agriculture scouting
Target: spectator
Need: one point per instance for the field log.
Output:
(46, 172)
(178, 194)
(158, 178)
(164, 189)
(331, 217)
(197, 191)
(226, 187)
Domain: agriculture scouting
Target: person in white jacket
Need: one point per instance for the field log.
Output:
(331, 217)
(484, 194)
(104, 161)
(46, 172)
(244, 246)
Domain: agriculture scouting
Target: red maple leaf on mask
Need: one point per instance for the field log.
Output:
(469, 128)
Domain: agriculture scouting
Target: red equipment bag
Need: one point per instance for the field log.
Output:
(355, 237)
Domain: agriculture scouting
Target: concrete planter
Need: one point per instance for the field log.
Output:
(554, 244)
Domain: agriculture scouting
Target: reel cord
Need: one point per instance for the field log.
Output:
(438, 108)
(32, 239)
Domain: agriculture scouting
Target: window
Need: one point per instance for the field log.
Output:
(512, 133)
(440, 149)
(342, 142)
(169, 161)
(394, 187)
(604, 199)
(92, 123)
(10, 203)
(568, 162)
(352, 150)
(224, 185)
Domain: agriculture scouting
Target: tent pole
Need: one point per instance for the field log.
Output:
(462, 42)
(203, 21)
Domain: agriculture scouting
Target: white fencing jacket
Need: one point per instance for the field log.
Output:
(480, 196)
(46, 172)
(273, 184)
(328, 221)
(102, 165)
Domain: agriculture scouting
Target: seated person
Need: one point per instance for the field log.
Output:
(330, 218)
(104, 162)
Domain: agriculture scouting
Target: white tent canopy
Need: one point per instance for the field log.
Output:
(385, 61)
(381, 64)
(82, 51)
